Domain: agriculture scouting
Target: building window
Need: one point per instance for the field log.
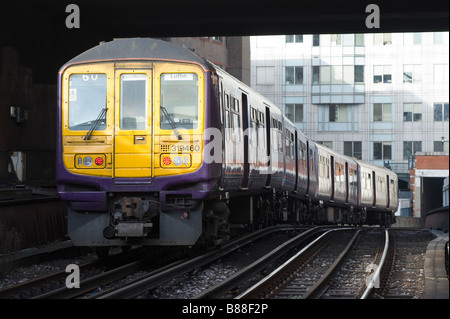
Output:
(412, 73)
(382, 39)
(265, 75)
(440, 38)
(412, 38)
(316, 77)
(382, 74)
(382, 150)
(410, 148)
(337, 74)
(412, 112)
(297, 38)
(440, 73)
(359, 40)
(417, 38)
(353, 149)
(441, 112)
(382, 112)
(338, 113)
(294, 75)
(359, 74)
(440, 146)
(294, 112)
(316, 40)
(336, 39)
(325, 74)
(326, 143)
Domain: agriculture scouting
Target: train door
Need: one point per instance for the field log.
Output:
(245, 122)
(388, 192)
(296, 151)
(332, 179)
(308, 167)
(223, 125)
(133, 125)
(346, 183)
(268, 145)
(374, 189)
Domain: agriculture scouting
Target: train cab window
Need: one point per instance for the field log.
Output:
(179, 97)
(87, 99)
(133, 101)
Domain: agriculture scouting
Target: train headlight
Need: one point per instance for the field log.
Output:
(175, 161)
(87, 161)
(178, 160)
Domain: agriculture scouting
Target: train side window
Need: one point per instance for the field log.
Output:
(236, 104)
(260, 130)
(221, 103)
(280, 144)
(274, 140)
(236, 133)
(274, 135)
(227, 125)
(253, 127)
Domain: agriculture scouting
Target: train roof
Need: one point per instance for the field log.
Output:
(138, 49)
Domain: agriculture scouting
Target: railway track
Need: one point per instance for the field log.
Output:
(307, 274)
(147, 275)
(319, 262)
(321, 270)
(151, 280)
(92, 274)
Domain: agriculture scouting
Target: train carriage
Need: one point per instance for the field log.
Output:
(378, 193)
(157, 146)
(337, 185)
(130, 145)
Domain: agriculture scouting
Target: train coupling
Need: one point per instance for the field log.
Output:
(131, 218)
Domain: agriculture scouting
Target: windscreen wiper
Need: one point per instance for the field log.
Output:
(169, 118)
(100, 116)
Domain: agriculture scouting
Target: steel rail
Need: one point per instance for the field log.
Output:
(320, 287)
(152, 280)
(267, 281)
(249, 271)
(374, 281)
(25, 289)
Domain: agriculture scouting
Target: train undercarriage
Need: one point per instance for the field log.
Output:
(142, 219)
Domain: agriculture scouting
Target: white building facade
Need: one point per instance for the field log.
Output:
(376, 97)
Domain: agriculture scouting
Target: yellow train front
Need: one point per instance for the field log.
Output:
(131, 117)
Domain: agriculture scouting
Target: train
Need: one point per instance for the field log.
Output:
(158, 146)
